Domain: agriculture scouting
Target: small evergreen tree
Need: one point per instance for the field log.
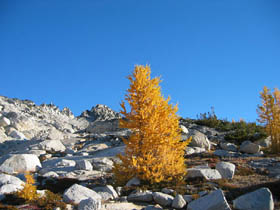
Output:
(269, 114)
(29, 191)
(154, 152)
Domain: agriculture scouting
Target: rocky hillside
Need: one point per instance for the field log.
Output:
(73, 157)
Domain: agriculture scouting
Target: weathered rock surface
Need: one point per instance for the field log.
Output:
(260, 199)
(226, 169)
(199, 140)
(89, 204)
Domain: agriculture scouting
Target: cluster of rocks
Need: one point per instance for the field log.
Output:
(53, 144)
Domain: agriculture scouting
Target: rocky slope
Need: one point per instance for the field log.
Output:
(74, 156)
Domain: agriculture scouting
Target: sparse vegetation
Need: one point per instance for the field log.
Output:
(154, 152)
(237, 132)
(28, 192)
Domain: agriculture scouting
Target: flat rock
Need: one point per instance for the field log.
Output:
(146, 196)
(214, 201)
(207, 173)
(260, 199)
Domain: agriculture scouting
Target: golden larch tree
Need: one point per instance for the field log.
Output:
(269, 114)
(154, 151)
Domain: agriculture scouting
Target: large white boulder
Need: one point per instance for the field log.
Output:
(199, 140)
(10, 184)
(214, 201)
(226, 169)
(260, 199)
(249, 147)
(76, 193)
(10, 188)
(20, 163)
(52, 146)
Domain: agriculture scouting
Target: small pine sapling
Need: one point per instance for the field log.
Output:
(29, 191)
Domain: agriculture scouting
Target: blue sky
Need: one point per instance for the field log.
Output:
(78, 53)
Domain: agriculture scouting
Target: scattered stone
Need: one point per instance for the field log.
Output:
(107, 192)
(153, 207)
(226, 169)
(194, 150)
(89, 204)
(199, 140)
(178, 202)
(207, 173)
(249, 147)
(184, 129)
(260, 199)
(133, 182)
(228, 146)
(83, 165)
(76, 193)
(214, 201)
(162, 198)
(146, 196)
(4, 122)
(265, 142)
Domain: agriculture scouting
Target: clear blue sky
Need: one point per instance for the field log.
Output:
(78, 53)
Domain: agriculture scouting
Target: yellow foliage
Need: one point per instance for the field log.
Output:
(269, 114)
(28, 192)
(154, 152)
